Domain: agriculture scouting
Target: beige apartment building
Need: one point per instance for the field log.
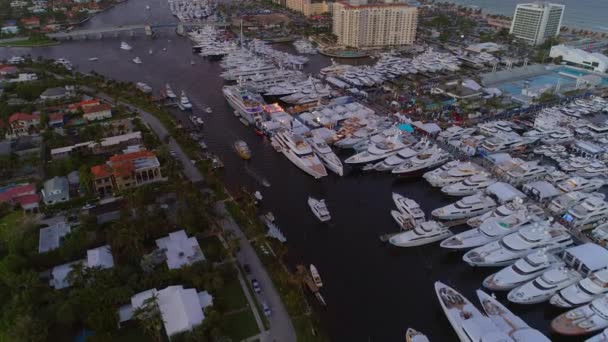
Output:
(307, 7)
(362, 25)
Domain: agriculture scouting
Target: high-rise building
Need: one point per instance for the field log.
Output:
(307, 7)
(362, 25)
(535, 22)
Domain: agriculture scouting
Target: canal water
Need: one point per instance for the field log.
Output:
(374, 292)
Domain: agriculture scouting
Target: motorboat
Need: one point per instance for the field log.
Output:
(561, 204)
(423, 161)
(184, 103)
(242, 149)
(441, 170)
(146, 89)
(125, 46)
(316, 278)
(514, 246)
(580, 184)
(412, 335)
(300, 153)
(454, 175)
(495, 127)
(319, 208)
(376, 152)
(543, 287)
(403, 220)
(508, 322)
(583, 292)
(490, 230)
(410, 207)
(595, 169)
(326, 154)
(583, 320)
(246, 103)
(466, 207)
(525, 172)
(469, 186)
(591, 210)
(466, 320)
(522, 271)
(601, 337)
(169, 92)
(93, 59)
(137, 60)
(501, 211)
(395, 160)
(422, 234)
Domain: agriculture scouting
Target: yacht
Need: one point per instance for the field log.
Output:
(454, 175)
(441, 170)
(412, 335)
(502, 211)
(455, 132)
(422, 234)
(356, 137)
(93, 59)
(490, 230)
(510, 248)
(561, 204)
(169, 92)
(543, 287)
(376, 152)
(508, 322)
(316, 277)
(595, 169)
(410, 207)
(184, 102)
(525, 172)
(246, 103)
(403, 220)
(466, 207)
(468, 322)
(495, 127)
(505, 142)
(423, 161)
(580, 184)
(469, 186)
(583, 320)
(591, 210)
(395, 160)
(125, 46)
(327, 156)
(299, 152)
(523, 270)
(583, 292)
(242, 149)
(319, 208)
(603, 336)
(137, 60)
(146, 89)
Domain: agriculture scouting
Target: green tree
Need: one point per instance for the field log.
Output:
(149, 318)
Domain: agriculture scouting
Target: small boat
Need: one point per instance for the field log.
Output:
(169, 92)
(137, 60)
(270, 216)
(125, 46)
(184, 102)
(208, 110)
(242, 149)
(164, 49)
(148, 7)
(192, 63)
(415, 336)
(315, 276)
(258, 195)
(422, 234)
(93, 59)
(244, 122)
(150, 51)
(319, 208)
(320, 298)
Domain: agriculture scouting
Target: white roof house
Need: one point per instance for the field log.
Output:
(589, 60)
(180, 249)
(100, 257)
(59, 275)
(96, 257)
(50, 237)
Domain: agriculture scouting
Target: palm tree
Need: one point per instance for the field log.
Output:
(149, 318)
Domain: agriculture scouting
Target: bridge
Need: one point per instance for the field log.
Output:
(115, 31)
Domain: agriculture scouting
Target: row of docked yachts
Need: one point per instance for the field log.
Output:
(188, 10)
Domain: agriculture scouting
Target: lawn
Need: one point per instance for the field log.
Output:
(32, 42)
(212, 248)
(8, 223)
(239, 326)
(232, 294)
(304, 332)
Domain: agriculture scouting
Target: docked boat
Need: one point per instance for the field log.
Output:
(441, 170)
(93, 59)
(299, 153)
(512, 247)
(146, 89)
(376, 152)
(403, 220)
(410, 207)
(327, 155)
(395, 160)
(466, 207)
(601, 337)
(169, 92)
(242, 149)
(423, 233)
(137, 60)
(316, 278)
(544, 286)
(246, 103)
(412, 335)
(583, 292)
(590, 211)
(504, 210)
(454, 175)
(125, 46)
(507, 322)
(423, 161)
(561, 204)
(583, 320)
(469, 186)
(319, 208)
(184, 103)
(580, 184)
(522, 271)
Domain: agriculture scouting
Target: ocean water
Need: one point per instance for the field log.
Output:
(587, 14)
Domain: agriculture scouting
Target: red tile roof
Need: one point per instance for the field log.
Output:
(22, 117)
(131, 156)
(28, 199)
(56, 117)
(86, 103)
(16, 191)
(101, 171)
(97, 108)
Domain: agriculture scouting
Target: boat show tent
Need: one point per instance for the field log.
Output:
(587, 258)
(504, 192)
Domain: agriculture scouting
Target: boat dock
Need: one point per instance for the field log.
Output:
(306, 278)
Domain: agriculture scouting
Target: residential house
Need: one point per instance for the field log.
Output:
(82, 105)
(56, 120)
(180, 249)
(6, 70)
(98, 112)
(30, 23)
(18, 4)
(23, 195)
(56, 190)
(55, 93)
(22, 124)
(126, 171)
(100, 257)
(51, 237)
(9, 29)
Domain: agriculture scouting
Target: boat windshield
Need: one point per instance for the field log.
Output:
(507, 247)
(540, 286)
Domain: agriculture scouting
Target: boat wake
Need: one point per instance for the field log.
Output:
(258, 178)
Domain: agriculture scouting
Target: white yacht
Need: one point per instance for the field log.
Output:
(510, 248)
(423, 233)
(169, 92)
(583, 292)
(469, 186)
(184, 102)
(395, 160)
(501, 211)
(246, 103)
(356, 137)
(522, 271)
(583, 320)
(544, 286)
(376, 152)
(319, 208)
(490, 230)
(412, 335)
(125, 46)
(137, 60)
(603, 336)
(441, 170)
(508, 322)
(327, 155)
(423, 161)
(561, 204)
(580, 184)
(410, 207)
(455, 132)
(595, 169)
(454, 175)
(466, 207)
(466, 320)
(591, 210)
(300, 153)
(495, 127)
(525, 172)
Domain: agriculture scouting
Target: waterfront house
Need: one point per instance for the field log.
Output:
(22, 124)
(55, 93)
(30, 23)
(56, 190)
(100, 257)
(50, 238)
(82, 105)
(98, 112)
(6, 70)
(180, 250)
(56, 120)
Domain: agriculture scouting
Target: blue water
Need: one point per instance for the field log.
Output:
(550, 79)
(588, 14)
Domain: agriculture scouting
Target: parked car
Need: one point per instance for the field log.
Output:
(266, 309)
(256, 286)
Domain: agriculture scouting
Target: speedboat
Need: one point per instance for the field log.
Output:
(412, 335)
(242, 149)
(508, 322)
(514, 246)
(422, 234)
(169, 92)
(522, 271)
(316, 278)
(469, 186)
(580, 184)
(490, 230)
(299, 152)
(544, 286)
(454, 175)
(137, 60)
(422, 162)
(93, 59)
(376, 152)
(319, 208)
(326, 154)
(125, 46)
(410, 207)
(184, 102)
(501, 211)
(583, 292)
(466, 320)
(466, 207)
(561, 204)
(583, 320)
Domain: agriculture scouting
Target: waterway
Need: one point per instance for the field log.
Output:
(374, 292)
